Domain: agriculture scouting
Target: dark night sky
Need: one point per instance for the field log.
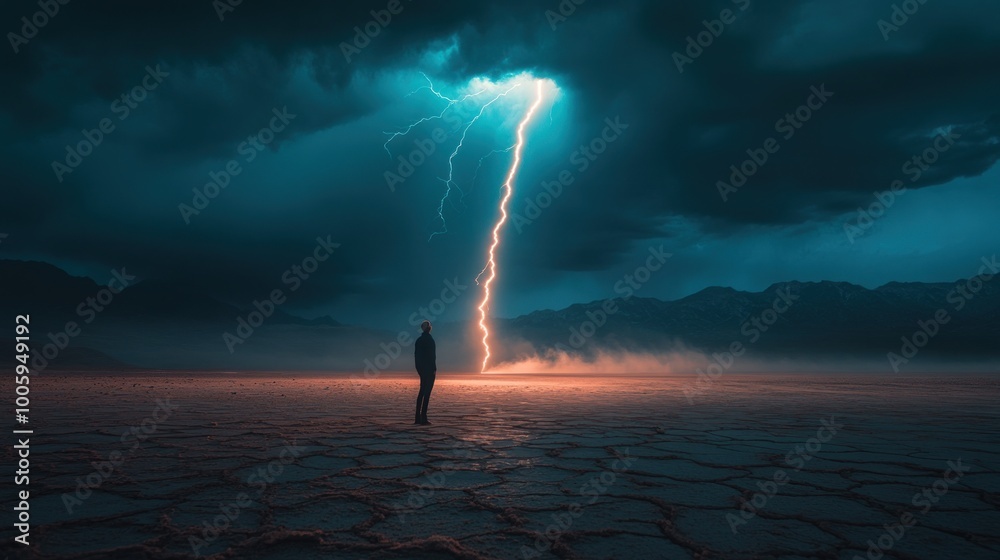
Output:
(655, 185)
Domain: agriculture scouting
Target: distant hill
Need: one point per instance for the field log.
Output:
(156, 324)
(822, 319)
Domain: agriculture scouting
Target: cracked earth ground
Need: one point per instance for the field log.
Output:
(304, 466)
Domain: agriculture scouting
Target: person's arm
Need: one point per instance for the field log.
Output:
(416, 353)
(433, 355)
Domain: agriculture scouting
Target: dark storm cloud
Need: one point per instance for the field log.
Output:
(611, 59)
(890, 99)
(100, 50)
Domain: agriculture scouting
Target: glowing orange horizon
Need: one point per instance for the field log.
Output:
(508, 187)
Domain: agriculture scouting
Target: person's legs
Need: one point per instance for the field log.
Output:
(426, 385)
(422, 395)
(420, 398)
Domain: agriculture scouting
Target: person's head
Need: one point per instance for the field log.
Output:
(425, 326)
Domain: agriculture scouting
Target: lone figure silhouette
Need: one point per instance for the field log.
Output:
(425, 358)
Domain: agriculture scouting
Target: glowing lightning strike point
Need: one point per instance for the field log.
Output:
(508, 189)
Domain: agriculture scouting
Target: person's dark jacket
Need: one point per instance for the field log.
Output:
(425, 354)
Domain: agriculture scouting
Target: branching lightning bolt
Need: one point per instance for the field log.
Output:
(479, 167)
(439, 95)
(508, 189)
(450, 180)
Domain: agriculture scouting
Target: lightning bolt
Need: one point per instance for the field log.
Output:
(475, 176)
(439, 95)
(508, 190)
(449, 181)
